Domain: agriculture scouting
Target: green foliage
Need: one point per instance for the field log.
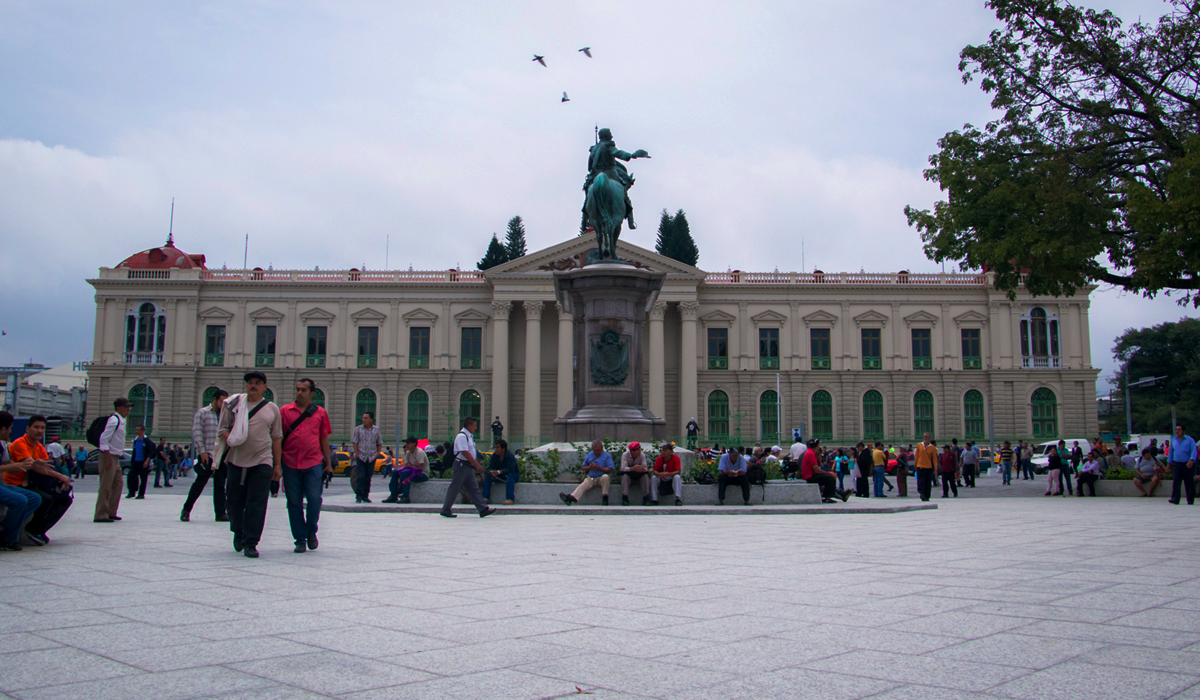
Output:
(514, 241)
(1168, 349)
(1120, 474)
(702, 465)
(675, 238)
(773, 469)
(1090, 174)
(494, 256)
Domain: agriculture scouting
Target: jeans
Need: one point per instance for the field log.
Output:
(880, 475)
(825, 481)
(54, 505)
(21, 504)
(401, 485)
(80, 469)
(510, 485)
(723, 481)
(1185, 477)
(463, 479)
(925, 483)
(247, 502)
(1088, 479)
(1064, 478)
(161, 469)
(203, 474)
(949, 483)
(300, 485)
(139, 475)
(363, 471)
(968, 474)
(1006, 471)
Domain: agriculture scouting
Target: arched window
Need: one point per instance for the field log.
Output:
(1045, 414)
(873, 415)
(418, 414)
(768, 416)
(268, 395)
(718, 415)
(142, 411)
(1039, 340)
(319, 398)
(923, 413)
(364, 402)
(973, 415)
(145, 336)
(207, 397)
(822, 415)
(469, 406)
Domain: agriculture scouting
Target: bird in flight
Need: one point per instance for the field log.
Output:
(565, 98)
(587, 51)
(540, 59)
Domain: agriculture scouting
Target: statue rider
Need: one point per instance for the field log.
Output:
(602, 158)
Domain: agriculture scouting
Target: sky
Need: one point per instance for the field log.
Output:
(396, 134)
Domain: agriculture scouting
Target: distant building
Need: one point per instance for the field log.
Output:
(59, 393)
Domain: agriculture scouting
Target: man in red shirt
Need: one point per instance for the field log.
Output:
(305, 451)
(667, 471)
(41, 478)
(811, 472)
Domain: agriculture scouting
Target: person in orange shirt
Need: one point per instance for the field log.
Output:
(41, 478)
(926, 462)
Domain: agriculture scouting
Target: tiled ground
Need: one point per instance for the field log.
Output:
(984, 598)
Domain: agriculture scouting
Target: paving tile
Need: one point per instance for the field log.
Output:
(33, 669)
(1114, 634)
(104, 639)
(369, 642)
(176, 614)
(1019, 650)
(1163, 619)
(840, 638)
(959, 623)
(960, 675)
(174, 658)
(24, 641)
(331, 673)
(503, 684)
(475, 658)
(626, 674)
(800, 684)
(1185, 662)
(1084, 681)
(173, 685)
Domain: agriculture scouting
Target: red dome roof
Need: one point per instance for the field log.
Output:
(164, 258)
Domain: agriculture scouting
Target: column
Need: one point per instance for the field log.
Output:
(1015, 350)
(500, 311)
(566, 350)
(896, 358)
(688, 388)
(658, 364)
(796, 352)
(950, 349)
(235, 348)
(172, 330)
(394, 324)
(1086, 331)
(188, 312)
(847, 356)
(448, 352)
(98, 334)
(288, 348)
(533, 370)
(343, 360)
(739, 340)
(993, 332)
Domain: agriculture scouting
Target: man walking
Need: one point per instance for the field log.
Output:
(139, 469)
(927, 461)
(1183, 466)
(367, 443)
(466, 466)
(81, 456)
(161, 463)
(253, 460)
(693, 430)
(204, 442)
(878, 469)
(970, 464)
(305, 449)
(112, 447)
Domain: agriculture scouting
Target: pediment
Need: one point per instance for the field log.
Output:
(820, 318)
(921, 317)
(769, 316)
(216, 313)
(570, 254)
(871, 317)
(316, 315)
(718, 316)
(368, 315)
(971, 317)
(419, 316)
(471, 316)
(266, 314)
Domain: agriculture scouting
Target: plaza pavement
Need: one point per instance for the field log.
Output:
(1017, 597)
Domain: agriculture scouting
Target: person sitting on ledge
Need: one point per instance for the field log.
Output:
(501, 467)
(668, 473)
(633, 466)
(811, 472)
(732, 470)
(1147, 472)
(1089, 473)
(410, 470)
(598, 466)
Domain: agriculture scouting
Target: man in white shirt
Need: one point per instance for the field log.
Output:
(797, 452)
(466, 466)
(112, 446)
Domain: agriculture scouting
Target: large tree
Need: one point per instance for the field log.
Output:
(494, 256)
(1092, 171)
(1170, 350)
(675, 238)
(514, 244)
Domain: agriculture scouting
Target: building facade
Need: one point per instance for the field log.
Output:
(751, 356)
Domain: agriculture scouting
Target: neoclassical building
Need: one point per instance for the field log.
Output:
(750, 355)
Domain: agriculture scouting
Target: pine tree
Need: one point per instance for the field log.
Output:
(663, 243)
(494, 256)
(684, 247)
(514, 245)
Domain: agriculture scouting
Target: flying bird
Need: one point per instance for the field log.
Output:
(540, 59)
(565, 98)
(587, 51)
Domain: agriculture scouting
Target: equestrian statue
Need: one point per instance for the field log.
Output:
(607, 185)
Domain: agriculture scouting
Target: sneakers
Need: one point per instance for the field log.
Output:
(567, 498)
(11, 546)
(604, 500)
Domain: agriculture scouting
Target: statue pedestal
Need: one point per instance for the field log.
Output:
(609, 302)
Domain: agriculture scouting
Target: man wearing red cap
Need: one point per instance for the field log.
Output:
(633, 466)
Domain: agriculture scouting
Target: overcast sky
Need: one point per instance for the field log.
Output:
(322, 128)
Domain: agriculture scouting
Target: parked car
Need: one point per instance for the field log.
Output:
(92, 465)
(341, 462)
(1041, 452)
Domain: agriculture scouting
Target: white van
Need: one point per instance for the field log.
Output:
(1041, 452)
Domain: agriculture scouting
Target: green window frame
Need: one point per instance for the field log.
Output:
(768, 348)
(207, 397)
(142, 411)
(820, 343)
(1045, 414)
(264, 346)
(922, 348)
(923, 413)
(718, 415)
(972, 348)
(318, 343)
(718, 348)
(318, 397)
(418, 347)
(470, 405)
(822, 415)
(768, 416)
(872, 348)
(973, 418)
(872, 404)
(214, 346)
(472, 348)
(368, 347)
(364, 402)
(417, 415)
(268, 395)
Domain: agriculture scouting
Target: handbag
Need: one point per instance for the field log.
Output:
(222, 447)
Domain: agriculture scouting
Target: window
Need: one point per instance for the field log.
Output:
(923, 413)
(768, 416)
(822, 415)
(142, 411)
(268, 395)
(469, 407)
(973, 415)
(768, 348)
(264, 346)
(472, 348)
(418, 414)
(922, 348)
(819, 338)
(207, 397)
(718, 415)
(1039, 340)
(318, 339)
(1045, 414)
(418, 348)
(718, 348)
(972, 353)
(319, 398)
(145, 336)
(364, 402)
(214, 346)
(873, 415)
(368, 347)
(872, 349)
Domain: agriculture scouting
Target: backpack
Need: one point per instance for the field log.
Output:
(757, 476)
(96, 429)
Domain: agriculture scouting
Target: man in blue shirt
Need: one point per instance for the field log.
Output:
(81, 456)
(1183, 466)
(597, 467)
(501, 467)
(139, 470)
(732, 470)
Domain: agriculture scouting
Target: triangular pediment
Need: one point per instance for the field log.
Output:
(266, 314)
(316, 316)
(570, 254)
(921, 318)
(971, 317)
(471, 316)
(419, 316)
(769, 316)
(820, 318)
(216, 313)
(368, 315)
(718, 316)
(871, 317)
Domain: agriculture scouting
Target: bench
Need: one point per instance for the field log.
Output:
(776, 493)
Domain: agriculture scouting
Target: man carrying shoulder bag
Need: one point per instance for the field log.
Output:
(252, 431)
